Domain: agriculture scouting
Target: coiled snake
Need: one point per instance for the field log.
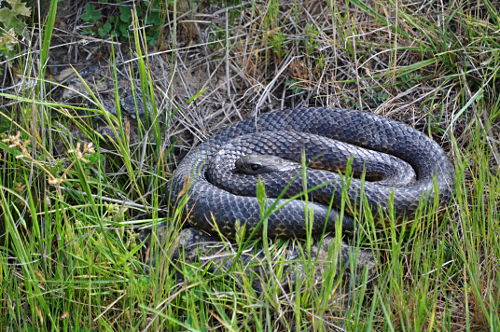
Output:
(390, 162)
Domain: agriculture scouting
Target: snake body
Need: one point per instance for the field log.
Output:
(400, 163)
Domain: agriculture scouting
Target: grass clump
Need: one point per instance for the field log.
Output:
(74, 198)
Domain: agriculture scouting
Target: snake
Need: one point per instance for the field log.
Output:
(309, 170)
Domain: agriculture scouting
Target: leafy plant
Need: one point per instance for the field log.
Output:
(91, 14)
(108, 23)
(12, 24)
(278, 42)
(311, 43)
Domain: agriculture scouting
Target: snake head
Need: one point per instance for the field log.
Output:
(254, 164)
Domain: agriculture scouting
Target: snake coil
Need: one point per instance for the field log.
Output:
(399, 162)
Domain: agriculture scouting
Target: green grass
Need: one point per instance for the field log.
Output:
(70, 253)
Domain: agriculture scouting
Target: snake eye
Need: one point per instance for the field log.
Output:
(255, 167)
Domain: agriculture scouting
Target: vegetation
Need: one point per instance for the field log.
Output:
(116, 20)
(12, 24)
(73, 199)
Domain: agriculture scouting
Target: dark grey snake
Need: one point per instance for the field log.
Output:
(389, 161)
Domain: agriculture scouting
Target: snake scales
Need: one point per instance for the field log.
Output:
(398, 161)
